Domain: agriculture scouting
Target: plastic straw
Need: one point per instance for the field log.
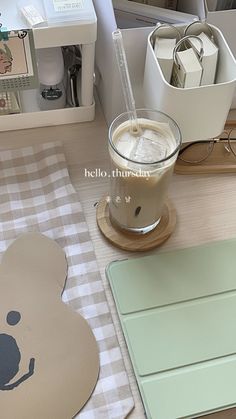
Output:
(125, 79)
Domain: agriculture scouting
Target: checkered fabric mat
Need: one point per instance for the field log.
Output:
(37, 195)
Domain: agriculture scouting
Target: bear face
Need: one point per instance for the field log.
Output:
(10, 356)
(49, 361)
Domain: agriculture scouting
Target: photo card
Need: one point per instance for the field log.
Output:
(18, 68)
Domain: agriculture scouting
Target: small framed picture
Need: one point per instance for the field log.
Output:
(18, 69)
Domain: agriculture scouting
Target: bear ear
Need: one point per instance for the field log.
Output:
(36, 253)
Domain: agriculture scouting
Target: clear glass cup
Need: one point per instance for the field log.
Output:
(141, 169)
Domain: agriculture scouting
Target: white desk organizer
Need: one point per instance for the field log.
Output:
(200, 112)
(225, 20)
(81, 32)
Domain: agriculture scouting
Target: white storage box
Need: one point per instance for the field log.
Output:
(81, 32)
(225, 20)
(200, 112)
(132, 14)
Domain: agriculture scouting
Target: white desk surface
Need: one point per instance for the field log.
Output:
(205, 204)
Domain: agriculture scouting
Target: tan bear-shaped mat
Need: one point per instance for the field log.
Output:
(49, 360)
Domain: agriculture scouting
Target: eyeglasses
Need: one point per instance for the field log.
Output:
(199, 151)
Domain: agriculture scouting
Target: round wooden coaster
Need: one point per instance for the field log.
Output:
(136, 242)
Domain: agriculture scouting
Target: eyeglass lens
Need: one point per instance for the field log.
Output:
(199, 151)
(232, 140)
(196, 152)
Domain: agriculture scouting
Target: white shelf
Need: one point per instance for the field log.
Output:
(47, 118)
(52, 35)
(48, 36)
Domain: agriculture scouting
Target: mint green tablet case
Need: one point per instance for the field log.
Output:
(178, 314)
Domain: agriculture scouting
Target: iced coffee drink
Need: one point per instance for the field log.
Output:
(141, 168)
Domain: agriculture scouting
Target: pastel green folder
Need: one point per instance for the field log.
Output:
(178, 314)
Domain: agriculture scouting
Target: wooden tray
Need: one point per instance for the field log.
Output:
(219, 161)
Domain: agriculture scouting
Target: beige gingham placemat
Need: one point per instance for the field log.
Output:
(36, 195)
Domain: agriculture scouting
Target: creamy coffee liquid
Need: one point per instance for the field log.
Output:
(138, 191)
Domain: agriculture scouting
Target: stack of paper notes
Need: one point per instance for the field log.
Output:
(163, 50)
(209, 59)
(187, 72)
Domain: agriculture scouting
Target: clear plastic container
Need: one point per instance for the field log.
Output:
(69, 10)
(32, 12)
